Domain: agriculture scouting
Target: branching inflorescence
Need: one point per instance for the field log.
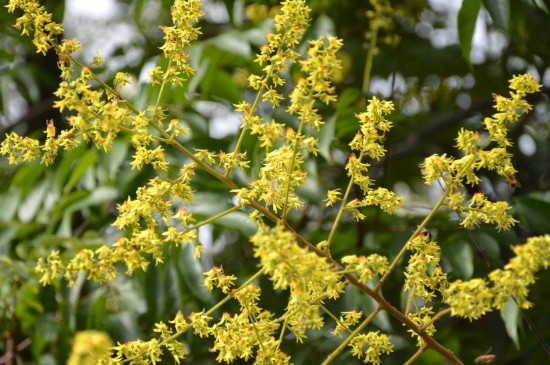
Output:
(309, 273)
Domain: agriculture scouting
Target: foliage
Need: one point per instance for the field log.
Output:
(269, 245)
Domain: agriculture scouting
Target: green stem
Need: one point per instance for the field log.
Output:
(211, 219)
(416, 355)
(281, 336)
(253, 322)
(337, 320)
(412, 236)
(164, 78)
(355, 332)
(368, 63)
(232, 295)
(243, 130)
(291, 168)
(436, 317)
(341, 209)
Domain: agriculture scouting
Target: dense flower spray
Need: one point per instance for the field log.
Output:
(157, 215)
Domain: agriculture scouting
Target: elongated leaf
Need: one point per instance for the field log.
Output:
(326, 136)
(87, 160)
(233, 42)
(500, 12)
(540, 4)
(467, 17)
(510, 316)
(29, 207)
(534, 213)
(9, 203)
(66, 164)
(460, 256)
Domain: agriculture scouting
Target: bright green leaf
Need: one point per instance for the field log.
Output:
(326, 136)
(233, 42)
(510, 314)
(86, 161)
(33, 201)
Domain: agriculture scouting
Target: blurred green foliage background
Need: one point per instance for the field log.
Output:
(70, 205)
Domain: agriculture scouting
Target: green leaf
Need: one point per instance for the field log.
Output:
(510, 315)
(326, 136)
(223, 86)
(88, 159)
(534, 212)
(26, 176)
(69, 199)
(28, 306)
(539, 4)
(500, 12)
(238, 221)
(461, 258)
(100, 195)
(233, 42)
(489, 245)
(467, 17)
(9, 203)
(29, 207)
(66, 165)
(323, 26)
(347, 97)
(208, 205)
(114, 158)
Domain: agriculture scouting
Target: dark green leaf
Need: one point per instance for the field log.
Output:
(534, 212)
(460, 256)
(540, 4)
(467, 17)
(223, 86)
(499, 11)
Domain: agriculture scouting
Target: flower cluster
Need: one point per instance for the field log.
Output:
(519, 273)
(423, 275)
(456, 172)
(36, 22)
(290, 25)
(308, 276)
(381, 19)
(141, 216)
(368, 142)
(176, 38)
(215, 277)
(240, 335)
(370, 346)
(473, 298)
(150, 352)
(90, 348)
(272, 180)
(347, 320)
(319, 67)
(423, 319)
(274, 58)
(366, 267)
